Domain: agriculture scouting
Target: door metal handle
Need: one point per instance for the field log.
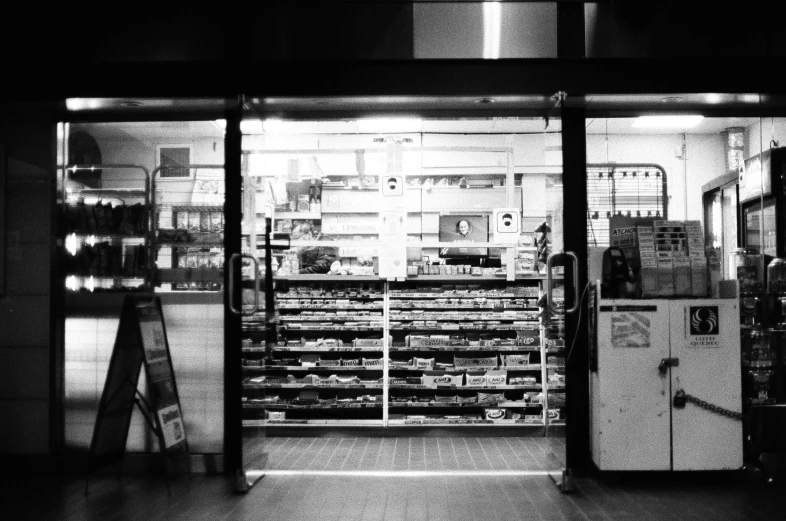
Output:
(550, 282)
(232, 275)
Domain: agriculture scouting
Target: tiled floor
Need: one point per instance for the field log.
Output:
(339, 498)
(409, 453)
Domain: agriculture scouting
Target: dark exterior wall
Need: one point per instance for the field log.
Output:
(26, 363)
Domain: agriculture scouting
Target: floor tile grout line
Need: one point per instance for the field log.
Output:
(514, 451)
(305, 452)
(349, 452)
(532, 454)
(469, 453)
(327, 463)
(287, 442)
(502, 456)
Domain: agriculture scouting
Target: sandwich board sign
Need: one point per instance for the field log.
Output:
(141, 341)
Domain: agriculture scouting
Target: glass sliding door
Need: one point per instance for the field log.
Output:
(409, 277)
(142, 206)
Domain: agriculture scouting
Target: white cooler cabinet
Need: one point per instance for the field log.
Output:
(634, 425)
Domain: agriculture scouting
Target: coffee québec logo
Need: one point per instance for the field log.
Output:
(704, 320)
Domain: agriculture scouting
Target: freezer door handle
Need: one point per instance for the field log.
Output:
(665, 363)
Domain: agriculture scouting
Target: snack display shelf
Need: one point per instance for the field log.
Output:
(184, 244)
(314, 350)
(465, 328)
(458, 278)
(466, 388)
(290, 406)
(557, 423)
(324, 297)
(560, 367)
(462, 307)
(462, 422)
(99, 236)
(313, 423)
(464, 348)
(329, 278)
(530, 367)
(456, 405)
(457, 295)
(335, 328)
(321, 318)
(437, 318)
(316, 368)
(310, 386)
(112, 192)
(301, 307)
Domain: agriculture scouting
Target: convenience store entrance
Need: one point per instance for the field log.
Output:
(373, 342)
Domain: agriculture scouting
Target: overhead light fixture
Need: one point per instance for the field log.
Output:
(82, 103)
(131, 103)
(714, 98)
(492, 27)
(251, 126)
(385, 125)
(672, 99)
(750, 98)
(671, 122)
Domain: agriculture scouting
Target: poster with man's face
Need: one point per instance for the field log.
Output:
(463, 229)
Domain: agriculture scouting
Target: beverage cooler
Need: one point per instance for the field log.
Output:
(643, 352)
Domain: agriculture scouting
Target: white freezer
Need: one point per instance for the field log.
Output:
(634, 426)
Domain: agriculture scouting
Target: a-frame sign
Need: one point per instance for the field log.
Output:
(141, 340)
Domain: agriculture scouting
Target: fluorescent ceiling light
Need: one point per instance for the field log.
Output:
(251, 126)
(82, 104)
(714, 98)
(667, 121)
(390, 125)
(492, 27)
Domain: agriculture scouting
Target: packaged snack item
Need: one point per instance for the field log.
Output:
(350, 362)
(435, 379)
(498, 377)
(216, 222)
(422, 362)
(194, 221)
(494, 414)
(490, 398)
(204, 221)
(309, 360)
(473, 379)
(181, 220)
(475, 363)
(372, 362)
(275, 415)
(516, 360)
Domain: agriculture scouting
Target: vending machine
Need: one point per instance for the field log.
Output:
(644, 352)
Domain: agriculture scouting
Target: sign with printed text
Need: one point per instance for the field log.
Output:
(171, 422)
(141, 342)
(702, 326)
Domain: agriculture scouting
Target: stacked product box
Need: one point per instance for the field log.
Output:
(673, 261)
(698, 259)
(649, 262)
(670, 246)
